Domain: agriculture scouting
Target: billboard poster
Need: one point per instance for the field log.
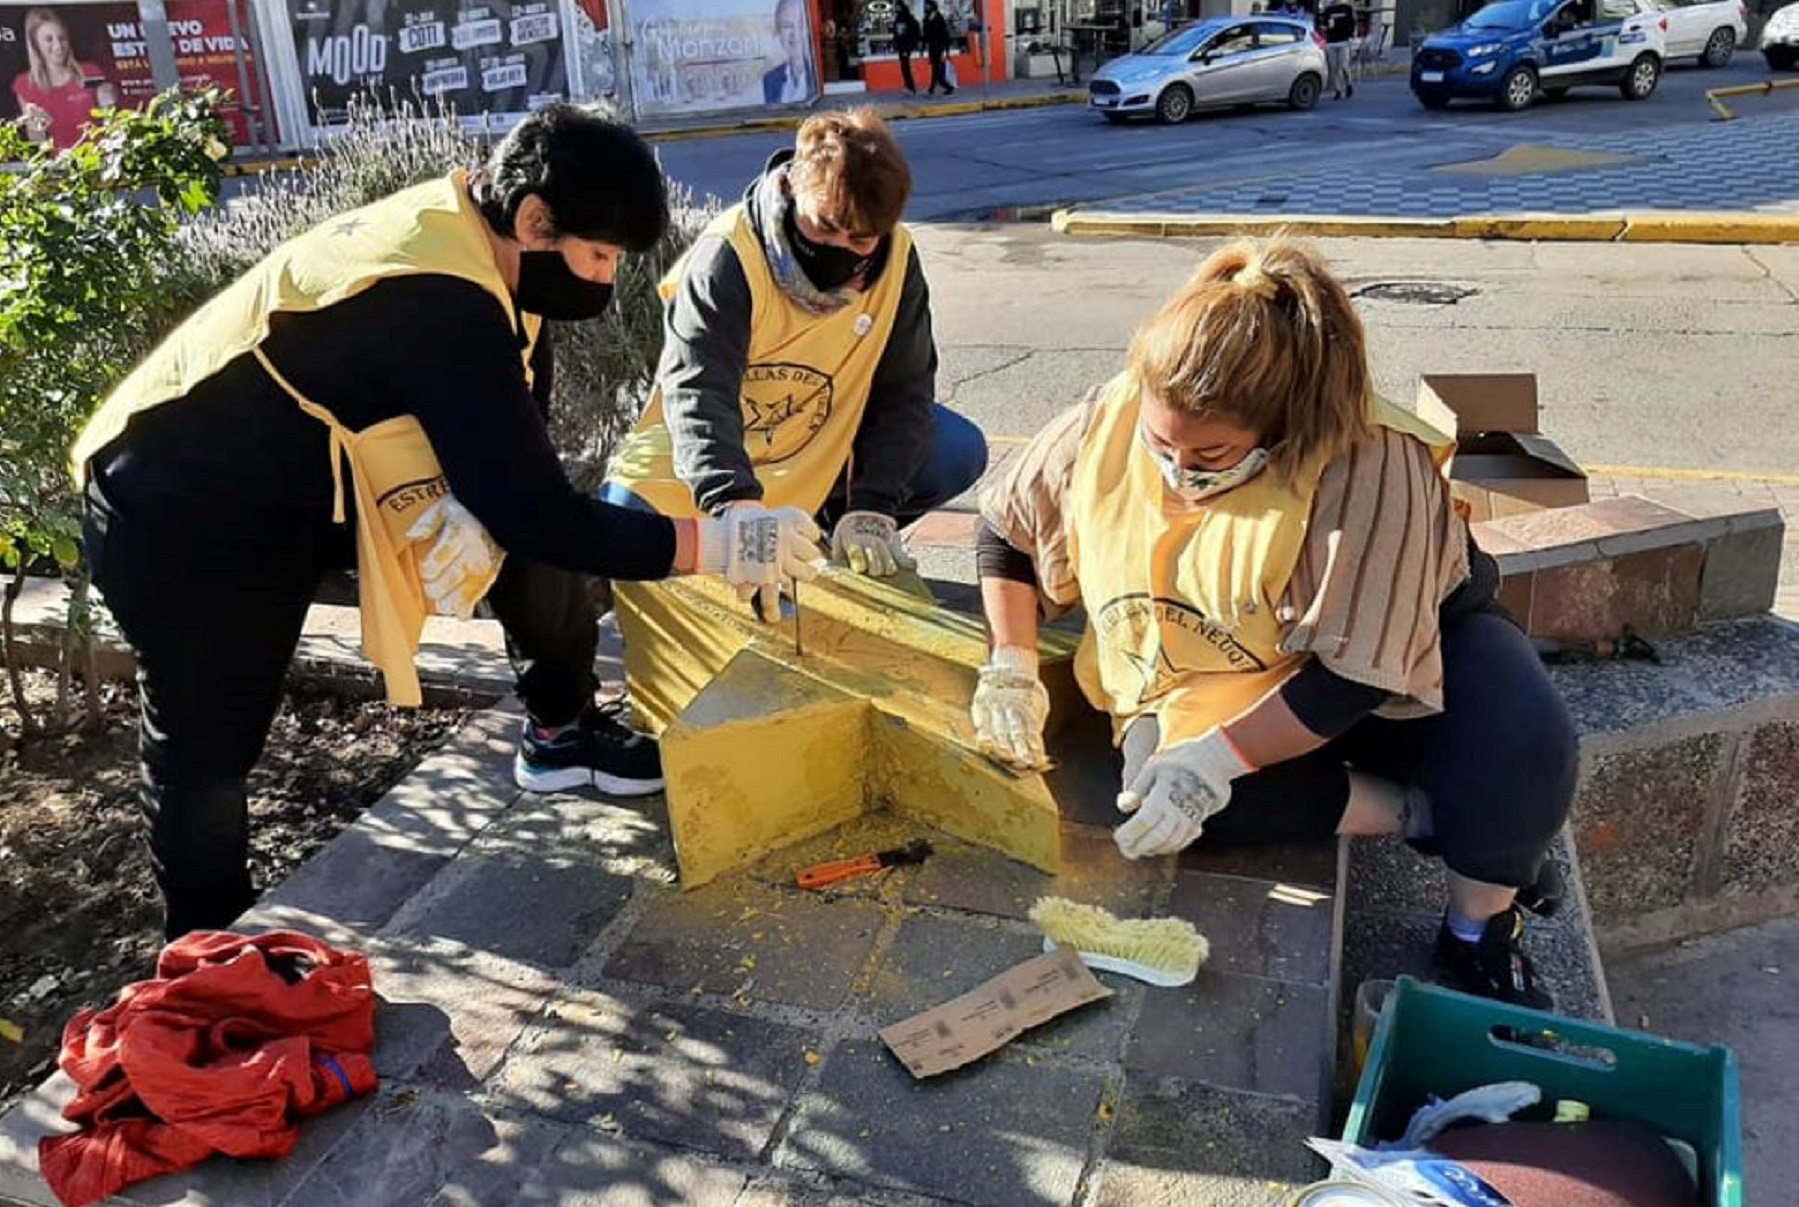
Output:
(59, 62)
(477, 57)
(698, 57)
(593, 40)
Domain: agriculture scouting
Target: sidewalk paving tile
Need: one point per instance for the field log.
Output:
(537, 886)
(417, 1149)
(594, 1169)
(934, 959)
(1258, 927)
(998, 1132)
(746, 940)
(678, 1074)
(1196, 1146)
(1237, 1033)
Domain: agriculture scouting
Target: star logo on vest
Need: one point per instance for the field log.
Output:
(1159, 674)
(784, 406)
(348, 227)
(1141, 628)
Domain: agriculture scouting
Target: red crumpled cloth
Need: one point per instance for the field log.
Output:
(235, 1042)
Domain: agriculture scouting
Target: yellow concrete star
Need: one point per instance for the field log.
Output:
(763, 747)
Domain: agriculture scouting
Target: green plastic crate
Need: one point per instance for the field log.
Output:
(1435, 1041)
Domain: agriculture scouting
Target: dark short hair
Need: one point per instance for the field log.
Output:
(596, 174)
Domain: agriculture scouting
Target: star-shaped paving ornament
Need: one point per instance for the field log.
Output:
(763, 745)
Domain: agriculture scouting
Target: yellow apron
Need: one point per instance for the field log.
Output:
(1184, 601)
(430, 228)
(804, 389)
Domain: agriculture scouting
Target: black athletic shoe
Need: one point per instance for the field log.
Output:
(601, 752)
(1544, 896)
(1496, 966)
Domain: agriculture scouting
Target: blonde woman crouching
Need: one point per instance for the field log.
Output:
(1288, 622)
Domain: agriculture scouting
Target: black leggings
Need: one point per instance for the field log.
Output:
(213, 615)
(1499, 763)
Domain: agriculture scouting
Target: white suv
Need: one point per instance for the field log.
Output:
(1709, 30)
(1780, 39)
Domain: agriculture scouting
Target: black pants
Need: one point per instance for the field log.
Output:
(905, 62)
(214, 620)
(1499, 763)
(939, 76)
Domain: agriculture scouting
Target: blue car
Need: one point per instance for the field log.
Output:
(1511, 51)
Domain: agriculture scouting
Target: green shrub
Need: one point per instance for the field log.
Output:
(92, 277)
(84, 234)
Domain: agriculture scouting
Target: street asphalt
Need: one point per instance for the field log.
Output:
(998, 163)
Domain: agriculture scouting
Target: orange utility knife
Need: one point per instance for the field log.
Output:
(822, 875)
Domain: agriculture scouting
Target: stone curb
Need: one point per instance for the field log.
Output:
(893, 111)
(1645, 226)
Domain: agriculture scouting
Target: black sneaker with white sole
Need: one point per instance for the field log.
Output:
(1495, 965)
(600, 751)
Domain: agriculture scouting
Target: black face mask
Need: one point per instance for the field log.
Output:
(825, 266)
(547, 288)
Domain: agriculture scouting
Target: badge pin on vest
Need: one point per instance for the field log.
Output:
(864, 324)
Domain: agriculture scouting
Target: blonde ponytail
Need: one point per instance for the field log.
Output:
(1264, 336)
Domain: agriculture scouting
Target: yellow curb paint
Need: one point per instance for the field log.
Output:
(1718, 227)
(1598, 228)
(1672, 473)
(761, 125)
(1074, 222)
(1637, 226)
(762, 747)
(890, 111)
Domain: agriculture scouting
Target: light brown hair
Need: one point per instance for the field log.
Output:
(851, 168)
(1265, 337)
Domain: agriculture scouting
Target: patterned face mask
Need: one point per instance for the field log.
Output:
(1193, 485)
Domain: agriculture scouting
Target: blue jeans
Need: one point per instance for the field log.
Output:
(956, 462)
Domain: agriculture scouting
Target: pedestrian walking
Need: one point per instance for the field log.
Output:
(936, 47)
(905, 42)
(1337, 21)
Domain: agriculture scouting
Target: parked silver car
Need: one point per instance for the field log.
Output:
(1218, 61)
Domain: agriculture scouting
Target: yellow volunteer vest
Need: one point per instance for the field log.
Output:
(1183, 601)
(804, 389)
(429, 228)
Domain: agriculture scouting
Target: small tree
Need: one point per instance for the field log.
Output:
(84, 235)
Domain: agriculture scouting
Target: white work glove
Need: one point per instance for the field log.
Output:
(1175, 792)
(756, 550)
(1010, 707)
(461, 561)
(869, 543)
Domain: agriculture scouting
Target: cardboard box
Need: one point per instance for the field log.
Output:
(1503, 464)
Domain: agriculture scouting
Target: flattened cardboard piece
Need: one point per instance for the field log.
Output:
(1503, 464)
(985, 1019)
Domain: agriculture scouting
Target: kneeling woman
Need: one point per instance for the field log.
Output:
(1287, 619)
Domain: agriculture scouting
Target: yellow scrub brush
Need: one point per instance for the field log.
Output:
(1160, 951)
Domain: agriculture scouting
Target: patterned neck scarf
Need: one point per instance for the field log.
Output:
(769, 212)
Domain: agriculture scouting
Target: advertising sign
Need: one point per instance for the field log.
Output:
(688, 57)
(59, 62)
(476, 57)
